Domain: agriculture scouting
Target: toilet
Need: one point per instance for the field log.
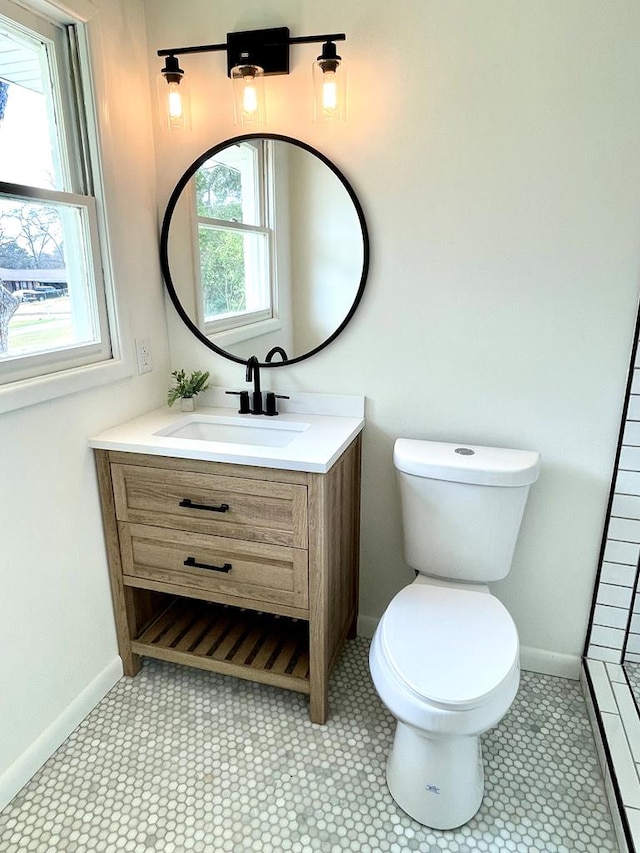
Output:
(445, 655)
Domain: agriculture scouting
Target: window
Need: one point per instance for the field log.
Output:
(53, 312)
(233, 209)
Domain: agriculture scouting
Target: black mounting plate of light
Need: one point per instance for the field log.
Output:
(267, 48)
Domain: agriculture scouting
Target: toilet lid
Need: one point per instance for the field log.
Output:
(453, 647)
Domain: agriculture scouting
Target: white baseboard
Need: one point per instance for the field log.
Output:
(367, 626)
(550, 663)
(533, 660)
(32, 759)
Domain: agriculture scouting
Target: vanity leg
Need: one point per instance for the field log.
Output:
(318, 673)
(131, 663)
(124, 608)
(319, 705)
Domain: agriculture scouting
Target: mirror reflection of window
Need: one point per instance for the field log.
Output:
(235, 236)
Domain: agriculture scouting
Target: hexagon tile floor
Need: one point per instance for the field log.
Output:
(182, 760)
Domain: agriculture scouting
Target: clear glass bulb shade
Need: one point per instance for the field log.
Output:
(174, 104)
(248, 95)
(329, 90)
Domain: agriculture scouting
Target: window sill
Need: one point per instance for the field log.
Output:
(245, 333)
(30, 392)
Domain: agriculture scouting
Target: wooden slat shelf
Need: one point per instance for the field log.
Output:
(232, 641)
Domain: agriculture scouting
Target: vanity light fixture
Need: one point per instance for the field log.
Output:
(251, 56)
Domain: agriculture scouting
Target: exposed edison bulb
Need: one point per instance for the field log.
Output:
(248, 94)
(249, 97)
(174, 103)
(329, 91)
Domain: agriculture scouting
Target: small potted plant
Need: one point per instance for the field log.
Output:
(187, 387)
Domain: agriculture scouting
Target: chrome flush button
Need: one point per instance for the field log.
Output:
(464, 451)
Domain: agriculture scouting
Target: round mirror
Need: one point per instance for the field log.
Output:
(264, 249)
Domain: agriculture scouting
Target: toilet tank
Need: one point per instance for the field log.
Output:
(462, 506)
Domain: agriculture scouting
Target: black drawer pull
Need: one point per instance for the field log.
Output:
(191, 561)
(187, 502)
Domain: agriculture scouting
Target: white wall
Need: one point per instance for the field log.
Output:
(494, 147)
(58, 651)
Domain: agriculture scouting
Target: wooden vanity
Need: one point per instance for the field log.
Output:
(242, 570)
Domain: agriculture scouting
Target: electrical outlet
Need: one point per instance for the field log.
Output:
(143, 354)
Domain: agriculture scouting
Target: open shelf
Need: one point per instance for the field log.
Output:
(229, 640)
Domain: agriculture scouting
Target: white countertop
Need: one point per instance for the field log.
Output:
(318, 440)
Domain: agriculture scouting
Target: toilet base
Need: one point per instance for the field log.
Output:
(437, 781)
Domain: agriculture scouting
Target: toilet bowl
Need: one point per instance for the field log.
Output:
(445, 662)
(445, 655)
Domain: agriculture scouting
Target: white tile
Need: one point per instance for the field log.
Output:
(616, 673)
(616, 573)
(628, 482)
(631, 434)
(621, 552)
(634, 625)
(630, 458)
(625, 768)
(629, 716)
(595, 728)
(612, 638)
(625, 529)
(604, 696)
(615, 596)
(614, 809)
(603, 653)
(633, 412)
(626, 506)
(633, 819)
(631, 657)
(610, 617)
(635, 382)
(633, 643)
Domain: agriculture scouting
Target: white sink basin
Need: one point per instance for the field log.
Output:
(234, 430)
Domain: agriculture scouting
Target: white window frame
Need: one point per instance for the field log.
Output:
(49, 375)
(249, 323)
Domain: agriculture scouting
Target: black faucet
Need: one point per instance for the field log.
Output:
(253, 373)
(276, 351)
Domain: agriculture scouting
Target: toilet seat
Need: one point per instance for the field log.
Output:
(451, 647)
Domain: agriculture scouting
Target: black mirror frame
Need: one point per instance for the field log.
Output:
(164, 245)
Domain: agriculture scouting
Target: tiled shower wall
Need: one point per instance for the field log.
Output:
(617, 605)
(614, 631)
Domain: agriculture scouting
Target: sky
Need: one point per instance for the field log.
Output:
(25, 149)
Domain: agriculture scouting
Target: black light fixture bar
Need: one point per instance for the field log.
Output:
(267, 48)
(179, 51)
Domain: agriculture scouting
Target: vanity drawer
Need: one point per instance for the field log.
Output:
(153, 556)
(255, 510)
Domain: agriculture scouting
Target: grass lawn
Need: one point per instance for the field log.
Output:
(38, 332)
